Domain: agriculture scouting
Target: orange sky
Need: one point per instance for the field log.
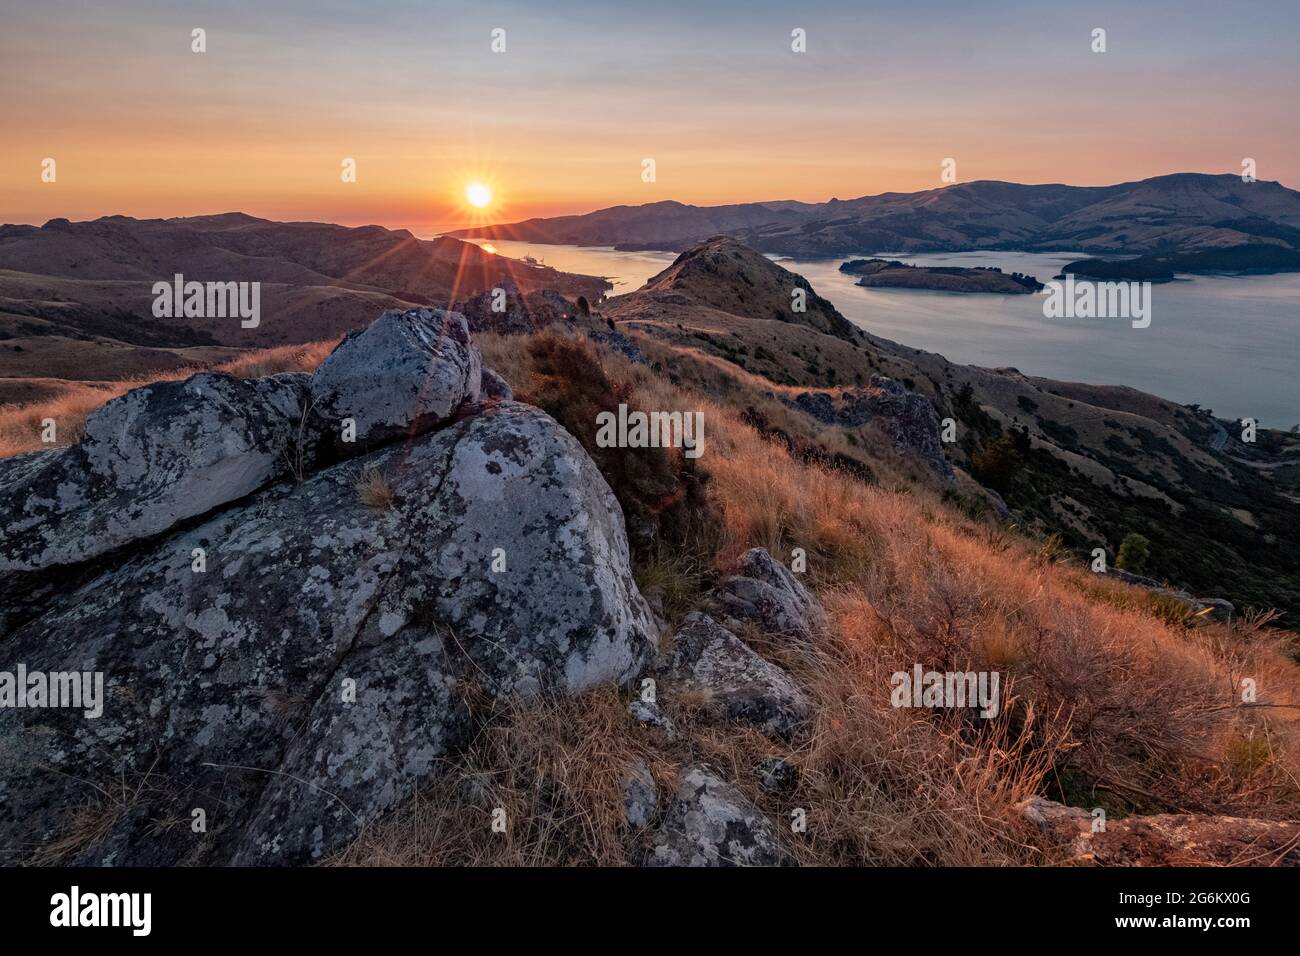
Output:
(560, 122)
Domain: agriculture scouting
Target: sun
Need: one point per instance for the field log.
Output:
(478, 195)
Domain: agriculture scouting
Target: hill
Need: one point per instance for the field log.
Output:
(600, 697)
(1090, 464)
(1179, 211)
(76, 299)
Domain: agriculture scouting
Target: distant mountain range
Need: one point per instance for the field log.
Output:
(76, 297)
(1182, 211)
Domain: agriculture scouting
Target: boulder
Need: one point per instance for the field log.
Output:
(640, 797)
(495, 387)
(528, 554)
(1168, 839)
(709, 823)
(147, 461)
(505, 310)
(1204, 608)
(736, 681)
(777, 775)
(906, 417)
(403, 374)
(310, 676)
(651, 715)
(762, 591)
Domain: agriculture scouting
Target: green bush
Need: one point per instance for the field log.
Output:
(1134, 553)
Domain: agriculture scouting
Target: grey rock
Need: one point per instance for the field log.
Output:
(403, 374)
(1050, 817)
(908, 418)
(777, 775)
(764, 592)
(225, 689)
(711, 824)
(496, 387)
(640, 797)
(1221, 608)
(616, 340)
(650, 714)
(742, 685)
(565, 610)
(147, 461)
(521, 313)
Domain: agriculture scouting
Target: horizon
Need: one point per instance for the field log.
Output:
(491, 223)
(559, 121)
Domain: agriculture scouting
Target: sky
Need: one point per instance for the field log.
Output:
(560, 122)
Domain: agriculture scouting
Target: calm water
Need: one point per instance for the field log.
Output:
(1230, 344)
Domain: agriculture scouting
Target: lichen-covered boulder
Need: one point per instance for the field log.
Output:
(147, 461)
(495, 387)
(906, 417)
(762, 591)
(306, 674)
(640, 796)
(735, 680)
(532, 559)
(402, 374)
(711, 824)
(1168, 839)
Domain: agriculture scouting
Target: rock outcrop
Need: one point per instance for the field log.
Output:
(736, 681)
(295, 661)
(507, 311)
(763, 592)
(147, 461)
(711, 824)
(1170, 839)
(1220, 608)
(908, 418)
(400, 375)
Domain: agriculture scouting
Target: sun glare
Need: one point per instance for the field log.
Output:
(478, 195)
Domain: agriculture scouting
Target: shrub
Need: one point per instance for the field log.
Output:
(659, 489)
(1134, 553)
(997, 464)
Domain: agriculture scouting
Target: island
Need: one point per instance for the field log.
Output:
(1245, 259)
(890, 273)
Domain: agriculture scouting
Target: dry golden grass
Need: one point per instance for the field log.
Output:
(556, 769)
(21, 426)
(374, 490)
(1108, 698)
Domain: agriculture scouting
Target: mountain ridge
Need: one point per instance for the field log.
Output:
(1177, 210)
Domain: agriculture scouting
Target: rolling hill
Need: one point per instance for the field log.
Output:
(1178, 211)
(76, 297)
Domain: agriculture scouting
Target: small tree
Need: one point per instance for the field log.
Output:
(997, 464)
(1134, 553)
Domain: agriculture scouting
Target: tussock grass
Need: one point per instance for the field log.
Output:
(374, 490)
(1106, 699)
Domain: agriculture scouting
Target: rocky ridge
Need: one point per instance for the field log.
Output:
(304, 644)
